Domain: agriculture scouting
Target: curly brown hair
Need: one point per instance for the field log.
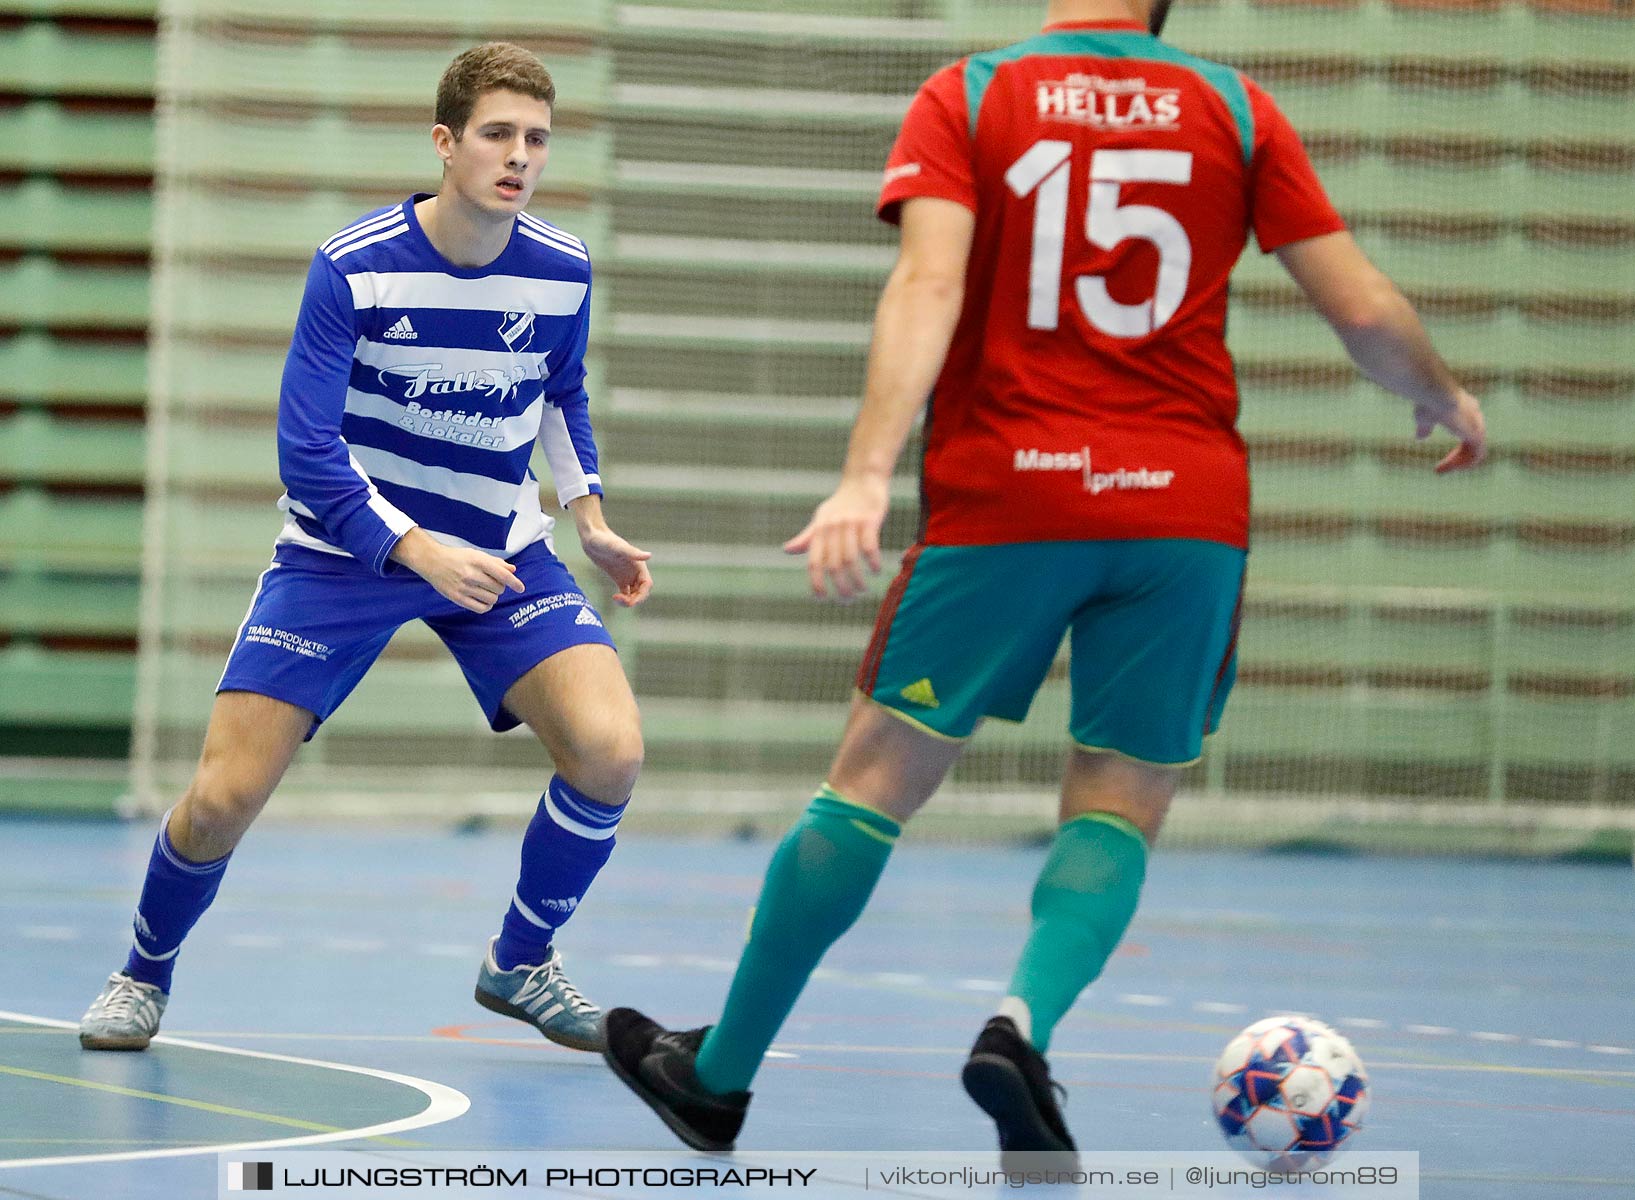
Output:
(493, 67)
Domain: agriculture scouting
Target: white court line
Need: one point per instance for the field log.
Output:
(1108, 1056)
(445, 1104)
(352, 945)
(636, 960)
(445, 949)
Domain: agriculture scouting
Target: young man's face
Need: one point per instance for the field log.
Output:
(496, 162)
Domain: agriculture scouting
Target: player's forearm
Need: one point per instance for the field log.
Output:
(913, 327)
(587, 513)
(416, 550)
(1379, 327)
(1389, 344)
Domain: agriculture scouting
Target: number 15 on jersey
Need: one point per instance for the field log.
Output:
(1046, 169)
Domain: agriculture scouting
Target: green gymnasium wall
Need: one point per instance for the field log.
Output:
(1471, 640)
(76, 213)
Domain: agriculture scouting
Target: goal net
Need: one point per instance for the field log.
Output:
(1424, 660)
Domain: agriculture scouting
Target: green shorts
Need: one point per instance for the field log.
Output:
(968, 632)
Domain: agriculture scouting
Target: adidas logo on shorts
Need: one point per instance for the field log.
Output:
(586, 617)
(921, 693)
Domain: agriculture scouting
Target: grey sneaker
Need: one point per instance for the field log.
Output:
(542, 996)
(125, 1016)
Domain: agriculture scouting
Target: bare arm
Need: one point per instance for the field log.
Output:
(913, 327)
(624, 564)
(1386, 339)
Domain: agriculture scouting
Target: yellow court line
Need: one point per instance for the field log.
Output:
(443, 1103)
(201, 1105)
(28, 1141)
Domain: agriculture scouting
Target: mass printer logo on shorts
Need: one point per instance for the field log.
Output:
(1123, 480)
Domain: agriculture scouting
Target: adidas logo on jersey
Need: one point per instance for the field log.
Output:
(403, 331)
(587, 617)
(921, 693)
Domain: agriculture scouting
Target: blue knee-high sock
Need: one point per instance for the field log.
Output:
(174, 897)
(567, 843)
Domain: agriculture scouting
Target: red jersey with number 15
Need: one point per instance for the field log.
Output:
(1088, 392)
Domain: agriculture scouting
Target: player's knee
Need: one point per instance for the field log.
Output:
(221, 803)
(606, 765)
(621, 763)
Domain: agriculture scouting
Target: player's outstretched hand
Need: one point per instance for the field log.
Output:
(621, 562)
(1464, 420)
(844, 533)
(472, 579)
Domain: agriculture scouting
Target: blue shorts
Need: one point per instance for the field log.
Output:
(317, 622)
(968, 632)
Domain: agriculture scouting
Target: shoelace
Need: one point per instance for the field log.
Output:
(124, 1000)
(569, 994)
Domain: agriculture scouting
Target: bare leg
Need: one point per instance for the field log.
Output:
(248, 746)
(887, 764)
(1108, 783)
(579, 704)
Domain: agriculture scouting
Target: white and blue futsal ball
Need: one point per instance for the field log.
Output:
(1289, 1092)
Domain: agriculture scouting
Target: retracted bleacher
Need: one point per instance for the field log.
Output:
(1468, 641)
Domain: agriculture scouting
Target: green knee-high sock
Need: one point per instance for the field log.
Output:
(818, 882)
(1083, 902)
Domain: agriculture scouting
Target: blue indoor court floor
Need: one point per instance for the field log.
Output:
(1493, 1002)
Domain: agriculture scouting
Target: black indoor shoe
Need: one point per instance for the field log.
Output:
(1008, 1078)
(657, 1065)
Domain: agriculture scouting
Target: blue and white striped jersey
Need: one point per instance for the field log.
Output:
(414, 390)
